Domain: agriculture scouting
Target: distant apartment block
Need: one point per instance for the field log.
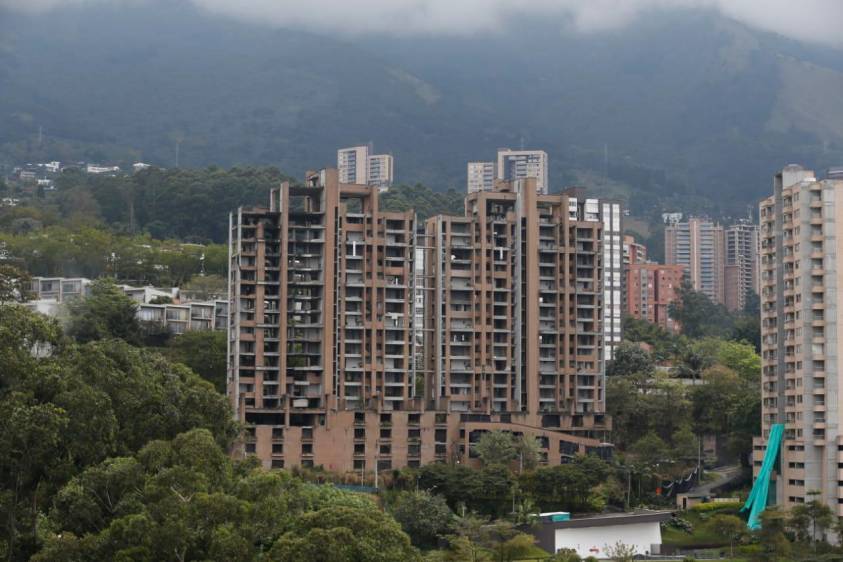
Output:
(633, 252)
(97, 169)
(741, 270)
(186, 317)
(481, 176)
(356, 165)
(60, 289)
(698, 245)
(361, 341)
(521, 164)
(353, 164)
(381, 171)
(651, 288)
(176, 315)
(801, 320)
(611, 215)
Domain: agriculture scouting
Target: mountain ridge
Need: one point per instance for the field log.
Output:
(694, 111)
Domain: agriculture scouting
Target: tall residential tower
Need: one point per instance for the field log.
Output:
(698, 244)
(360, 342)
(801, 320)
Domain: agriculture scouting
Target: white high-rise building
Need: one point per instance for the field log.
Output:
(611, 214)
(801, 318)
(481, 176)
(381, 171)
(698, 244)
(357, 165)
(520, 164)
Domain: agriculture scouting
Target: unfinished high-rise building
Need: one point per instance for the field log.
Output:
(339, 310)
(516, 311)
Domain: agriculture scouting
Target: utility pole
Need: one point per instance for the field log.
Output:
(377, 458)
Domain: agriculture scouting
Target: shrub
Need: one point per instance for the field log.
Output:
(717, 506)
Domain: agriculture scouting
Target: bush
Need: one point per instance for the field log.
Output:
(717, 506)
(679, 523)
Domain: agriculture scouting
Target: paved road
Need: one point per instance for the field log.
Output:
(724, 474)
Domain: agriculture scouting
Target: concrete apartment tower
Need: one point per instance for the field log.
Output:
(611, 215)
(332, 315)
(699, 245)
(520, 164)
(650, 289)
(353, 164)
(801, 320)
(480, 176)
(516, 309)
(741, 269)
(359, 166)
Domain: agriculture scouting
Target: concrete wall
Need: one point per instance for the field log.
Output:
(594, 541)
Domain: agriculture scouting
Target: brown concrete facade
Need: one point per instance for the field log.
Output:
(651, 288)
(324, 360)
(515, 314)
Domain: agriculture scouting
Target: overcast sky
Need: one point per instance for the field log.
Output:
(818, 21)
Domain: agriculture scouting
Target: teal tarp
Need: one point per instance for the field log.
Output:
(757, 500)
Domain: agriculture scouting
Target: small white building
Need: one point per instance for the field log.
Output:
(594, 535)
(97, 169)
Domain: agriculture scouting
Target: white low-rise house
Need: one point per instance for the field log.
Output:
(595, 535)
(145, 295)
(96, 169)
(177, 316)
(60, 289)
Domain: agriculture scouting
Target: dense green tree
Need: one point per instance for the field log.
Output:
(21, 332)
(466, 544)
(811, 520)
(202, 351)
(506, 543)
(93, 252)
(423, 200)
(345, 535)
(731, 527)
(15, 284)
(565, 555)
(191, 204)
(630, 359)
(184, 499)
(566, 487)
(30, 436)
(107, 313)
(685, 445)
(651, 449)
(495, 448)
(68, 407)
(424, 517)
(699, 316)
(774, 544)
(741, 358)
(526, 452)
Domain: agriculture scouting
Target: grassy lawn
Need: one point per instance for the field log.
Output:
(535, 554)
(702, 537)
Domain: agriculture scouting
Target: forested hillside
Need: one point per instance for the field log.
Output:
(682, 110)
